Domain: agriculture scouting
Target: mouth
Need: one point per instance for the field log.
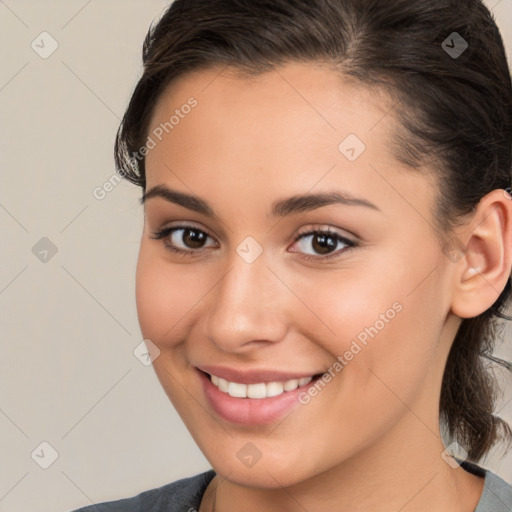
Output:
(253, 397)
(259, 390)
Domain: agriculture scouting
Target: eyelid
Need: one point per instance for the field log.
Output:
(327, 228)
(186, 224)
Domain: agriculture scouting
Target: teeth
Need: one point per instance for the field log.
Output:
(237, 390)
(260, 390)
(256, 390)
(223, 385)
(290, 385)
(275, 389)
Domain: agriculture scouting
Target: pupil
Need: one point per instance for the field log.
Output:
(326, 243)
(193, 239)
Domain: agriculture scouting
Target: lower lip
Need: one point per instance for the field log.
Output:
(250, 411)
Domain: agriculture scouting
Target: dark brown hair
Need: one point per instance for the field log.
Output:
(454, 113)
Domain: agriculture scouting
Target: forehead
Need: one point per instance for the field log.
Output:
(314, 90)
(295, 128)
(297, 108)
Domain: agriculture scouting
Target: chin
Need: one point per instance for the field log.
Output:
(261, 476)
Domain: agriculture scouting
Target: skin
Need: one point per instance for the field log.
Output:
(369, 441)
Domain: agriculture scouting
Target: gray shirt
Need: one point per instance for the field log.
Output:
(185, 495)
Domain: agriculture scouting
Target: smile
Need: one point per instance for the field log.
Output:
(258, 390)
(263, 396)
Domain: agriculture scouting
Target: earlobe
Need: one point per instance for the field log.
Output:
(482, 273)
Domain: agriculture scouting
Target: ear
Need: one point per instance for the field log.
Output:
(482, 272)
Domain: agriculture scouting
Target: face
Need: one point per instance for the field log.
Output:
(270, 286)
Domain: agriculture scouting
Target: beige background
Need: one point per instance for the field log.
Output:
(68, 325)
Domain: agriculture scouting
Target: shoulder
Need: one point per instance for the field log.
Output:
(497, 494)
(180, 496)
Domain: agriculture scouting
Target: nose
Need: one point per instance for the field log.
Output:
(247, 308)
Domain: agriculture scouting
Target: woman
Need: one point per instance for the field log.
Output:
(326, 249)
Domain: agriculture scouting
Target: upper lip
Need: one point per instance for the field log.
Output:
(254, 376)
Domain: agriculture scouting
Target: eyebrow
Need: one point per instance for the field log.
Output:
(282, 208)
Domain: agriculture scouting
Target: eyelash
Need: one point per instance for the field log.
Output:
(158, 235)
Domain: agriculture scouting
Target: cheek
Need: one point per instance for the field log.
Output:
(349, 306)
(377, 321)
(386, 337)
(164, 298)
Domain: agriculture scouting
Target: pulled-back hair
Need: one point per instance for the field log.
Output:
(454, 116)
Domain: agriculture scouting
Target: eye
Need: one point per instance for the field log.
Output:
(191, 239)
(323, 243)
